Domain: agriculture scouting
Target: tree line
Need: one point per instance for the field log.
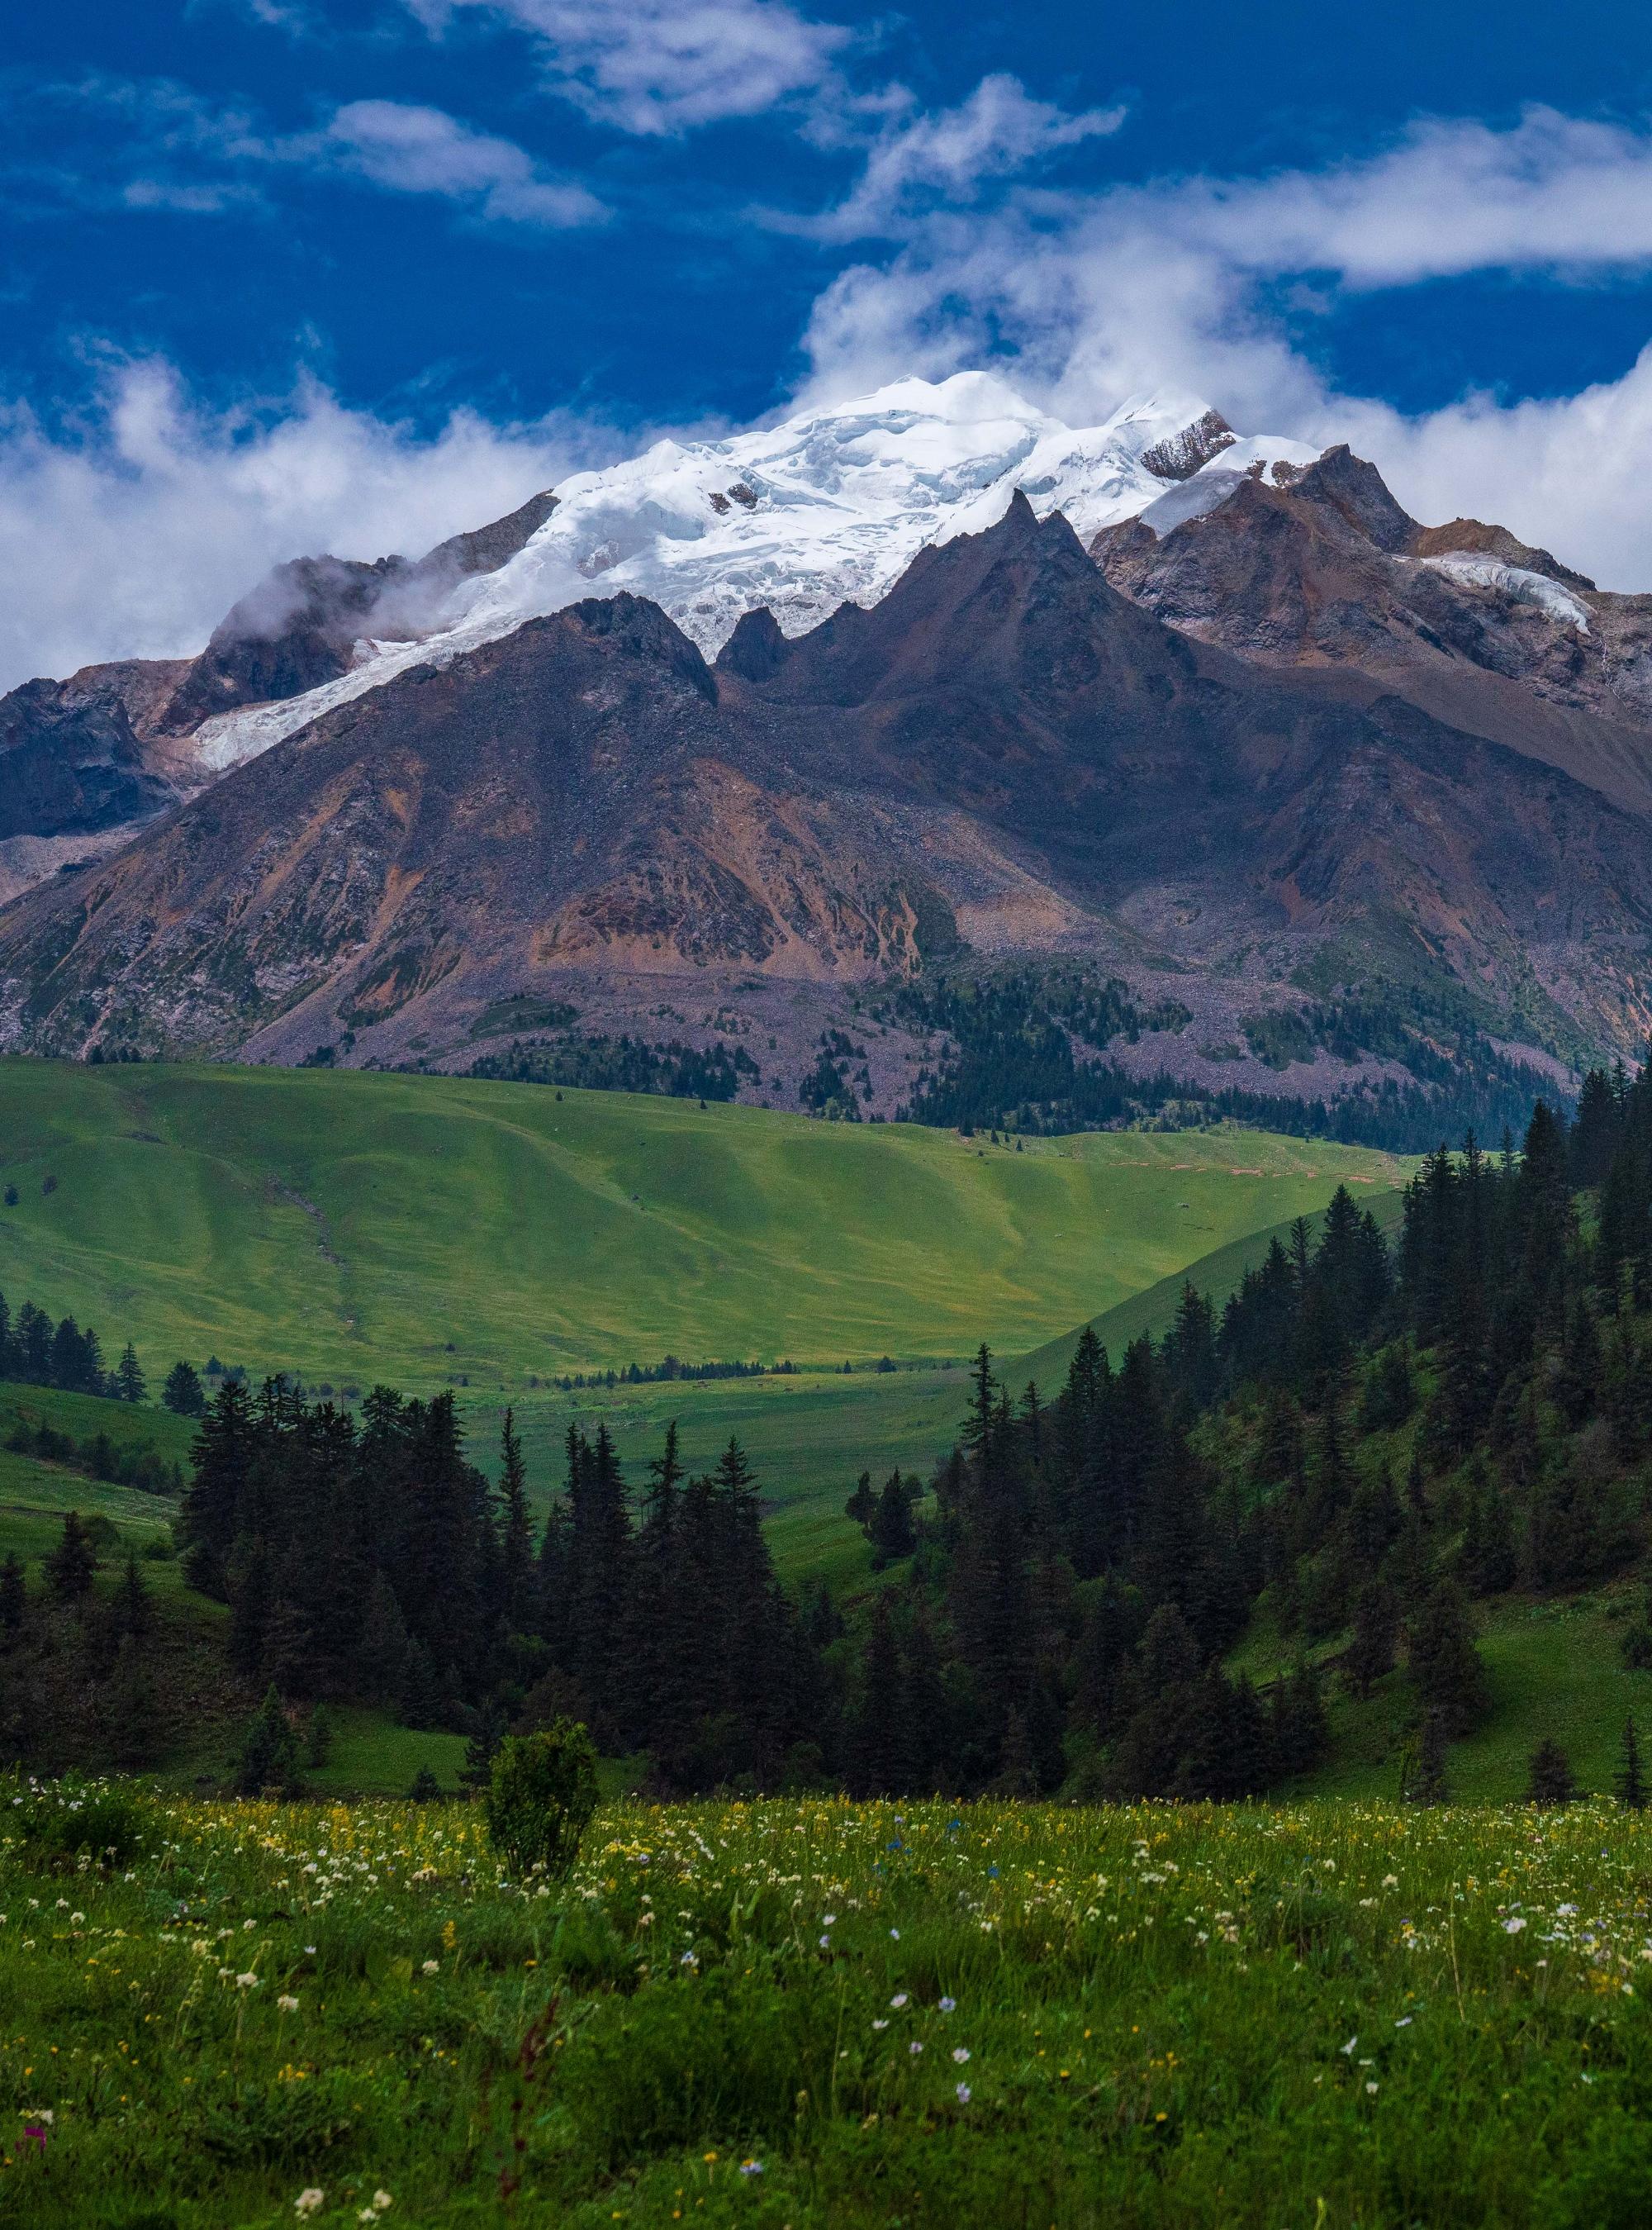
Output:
(37, 1350)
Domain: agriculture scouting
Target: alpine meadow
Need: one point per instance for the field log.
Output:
(825, 1117)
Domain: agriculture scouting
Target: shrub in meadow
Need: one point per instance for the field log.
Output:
(61, 1822)
(541, 1797)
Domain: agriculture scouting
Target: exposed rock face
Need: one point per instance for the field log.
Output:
(490, 547)
(70, 762)
(1006, 749)
(100, 754)
(1179, 455)
(300, 626)
(295, 631)
(1323, 569)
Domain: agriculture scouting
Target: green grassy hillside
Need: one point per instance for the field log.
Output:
(430, 1228)
(1217, 1275)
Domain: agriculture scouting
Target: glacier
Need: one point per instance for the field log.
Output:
(828, 506)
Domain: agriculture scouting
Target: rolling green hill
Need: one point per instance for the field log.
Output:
(432, 1229)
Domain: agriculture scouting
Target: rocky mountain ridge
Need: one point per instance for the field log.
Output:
(1252, 741)
(1006, 757)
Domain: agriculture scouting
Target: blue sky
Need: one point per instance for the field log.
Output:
(282, 273)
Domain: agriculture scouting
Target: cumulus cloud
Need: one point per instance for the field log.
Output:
(131, 533)
(656, 66)
(1206, 284)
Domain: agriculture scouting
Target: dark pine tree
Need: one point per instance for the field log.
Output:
(70, 1566)
(134, 1606)
(516, 1558)
(183, 1393)
(1631, 1783)
(1427, 1784)
(14, 1593)
(1445, 1665)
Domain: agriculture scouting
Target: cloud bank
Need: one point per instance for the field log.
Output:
(131, 534)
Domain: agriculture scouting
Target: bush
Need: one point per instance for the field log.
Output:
(59, 1822)
(541, 1797)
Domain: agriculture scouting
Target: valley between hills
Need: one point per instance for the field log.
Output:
(422, 1232)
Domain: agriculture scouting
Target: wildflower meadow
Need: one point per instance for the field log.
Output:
(814, 2013)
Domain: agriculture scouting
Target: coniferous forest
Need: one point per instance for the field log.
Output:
(1056, 1603)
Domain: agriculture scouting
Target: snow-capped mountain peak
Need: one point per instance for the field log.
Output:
(829, 506)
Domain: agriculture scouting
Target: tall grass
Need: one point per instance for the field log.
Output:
(823, 2014)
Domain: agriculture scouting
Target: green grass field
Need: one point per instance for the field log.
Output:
(814, 2013)
(1553, 1668)
(425, 1229)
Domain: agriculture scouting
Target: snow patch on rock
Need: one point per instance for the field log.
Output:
(1516, 582)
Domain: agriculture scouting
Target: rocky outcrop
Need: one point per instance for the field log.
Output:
(1321, 568)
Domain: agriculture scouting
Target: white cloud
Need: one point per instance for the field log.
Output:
(1198, 283)
(131, 533)
(944, 159)
(169, 148)
(423, 150)
(656, 66)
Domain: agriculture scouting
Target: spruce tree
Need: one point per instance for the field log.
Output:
(70, 1566)
(1445, 1665)
(1428, 1782)
(516, 1538)
(480, 1751)
(891, 1531)
(381, 1656)
(881, 1737)
(14, 1593)
(129, 1376)
(1370, 1653)
(183, 1393)
(267, 1760)
(1486, 1558)
(1631, 1784)
(216, 1507)
(1551, 1780)
(862, 1504)
(420, 1700)
(1018, 1774)
(134, 1606)
(135, 1725)
(248, 1585)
